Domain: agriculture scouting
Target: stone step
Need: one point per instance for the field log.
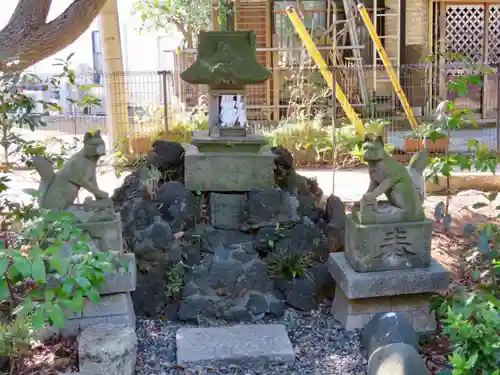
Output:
(114, 309)
(236, 345)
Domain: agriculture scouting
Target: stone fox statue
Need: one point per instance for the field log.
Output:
(58, 190)
(391, 178)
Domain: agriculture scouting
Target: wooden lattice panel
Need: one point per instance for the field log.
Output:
(465, 31)
(494, 34)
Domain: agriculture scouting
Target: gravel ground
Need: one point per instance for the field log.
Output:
(321, 345)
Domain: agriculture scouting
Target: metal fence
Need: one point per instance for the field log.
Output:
(159, 98)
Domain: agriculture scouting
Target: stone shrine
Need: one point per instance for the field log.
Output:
(226, 158)
(387, 264)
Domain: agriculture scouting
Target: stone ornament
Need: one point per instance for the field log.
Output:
(397, 182)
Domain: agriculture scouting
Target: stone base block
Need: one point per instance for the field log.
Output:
(114, 309)
(237, 345)
(391, 246)
(387, 283)
(226, 210)
(123, 280)
(356, 313)
(108, 350)
(228, 171)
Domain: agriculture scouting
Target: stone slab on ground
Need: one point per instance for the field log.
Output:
(226, 210)
(228, 171)
(108, 350)
(356, 313)
(387, 283)
(123, 280)
(240, 344)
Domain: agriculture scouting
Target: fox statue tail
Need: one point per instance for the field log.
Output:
(416, 169)
(46, 172)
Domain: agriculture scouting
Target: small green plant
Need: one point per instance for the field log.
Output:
(152, 181)
(175, 280)
(48, 269)
(288, 265)
(431, 131)
(471, 318)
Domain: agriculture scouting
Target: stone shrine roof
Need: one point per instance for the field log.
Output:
(226, 58)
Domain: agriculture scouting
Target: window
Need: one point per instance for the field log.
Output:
(314, 21)
(96, 57)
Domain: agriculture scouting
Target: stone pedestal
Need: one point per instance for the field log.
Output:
(228, 164)
(391, 246)
(361, 295)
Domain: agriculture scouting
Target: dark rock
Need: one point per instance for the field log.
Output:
(335, 212)
(232, 284)
(212, 238)
(283, 157)
(165, 155)
(324, 287)
(137, 214)
(305, 292)
(149, 295)
(304, 239)
(265, 239)
(388, 328)
(177, 205)
(269, 207)
(299, 294)
(156, 239)
(257, 303)
(335, 238)
(131, 187)
(191, 255)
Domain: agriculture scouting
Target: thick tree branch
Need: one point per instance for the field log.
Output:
(45, 39)
(28, 15)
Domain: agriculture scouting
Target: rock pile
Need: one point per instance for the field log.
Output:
(242, 255)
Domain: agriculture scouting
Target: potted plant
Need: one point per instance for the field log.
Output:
(429, 136)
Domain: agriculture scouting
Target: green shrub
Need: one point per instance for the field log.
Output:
(38, 282)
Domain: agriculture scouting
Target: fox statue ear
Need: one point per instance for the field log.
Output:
(87, 136)
(97, 133)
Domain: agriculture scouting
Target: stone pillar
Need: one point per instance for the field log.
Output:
(117, 121)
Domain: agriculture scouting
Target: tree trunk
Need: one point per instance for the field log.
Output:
(28, 38)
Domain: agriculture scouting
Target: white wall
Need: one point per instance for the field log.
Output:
(140, 52)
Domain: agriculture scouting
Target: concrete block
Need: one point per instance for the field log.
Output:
(388, 328)
(106, 349)
(109, 306)
(241, 344)
(226, 210)
(396, 359)
(122, 281)
(387, 283)
(357, 313)
(391, 246)
(228, 171)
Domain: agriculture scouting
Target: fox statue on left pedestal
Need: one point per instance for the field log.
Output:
(58, 190)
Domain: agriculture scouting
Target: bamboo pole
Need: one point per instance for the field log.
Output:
(323, 68)
(388, 66)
